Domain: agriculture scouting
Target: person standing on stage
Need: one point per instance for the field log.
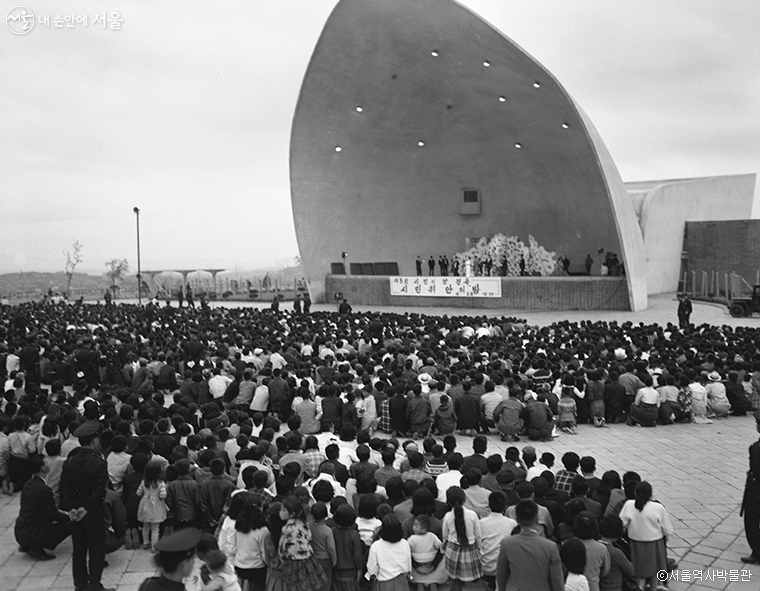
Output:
(418, 264)
(751, 501)
(83, 490)
(431, 266)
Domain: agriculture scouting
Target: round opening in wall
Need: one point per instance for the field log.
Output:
(518, 145)
(338, 148)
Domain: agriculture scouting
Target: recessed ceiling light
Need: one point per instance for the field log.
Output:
(420, 143)
(518, 145)
(502, 99)
(338, 148)
(359, 109)
(434, 53)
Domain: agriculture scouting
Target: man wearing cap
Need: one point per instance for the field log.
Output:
(751, 502)
(83, 490)
(175, 558)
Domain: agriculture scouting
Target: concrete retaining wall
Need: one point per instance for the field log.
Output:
(523, 293)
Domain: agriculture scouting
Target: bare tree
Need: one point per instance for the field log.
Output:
(117, 268)
(73, 258)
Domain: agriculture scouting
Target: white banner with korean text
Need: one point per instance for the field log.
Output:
(451, 287)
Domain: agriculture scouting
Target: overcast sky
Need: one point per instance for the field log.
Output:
(186, 112)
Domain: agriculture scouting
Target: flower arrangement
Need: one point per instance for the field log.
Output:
(502, 255)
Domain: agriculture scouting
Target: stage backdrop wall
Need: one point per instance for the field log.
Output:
(517, 293)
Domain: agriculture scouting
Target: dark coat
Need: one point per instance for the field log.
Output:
(332, 410)
(397, 411)
(37, 514)
(83, 482)
(467, 408)
(418, 412)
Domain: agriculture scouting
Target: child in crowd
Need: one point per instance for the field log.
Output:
(573, 556)
(567, 411)
(322, 541)
(367, 522)
(449, 445)
(152, 509)
(300, 570)
(390, 559)
(5, 454)
(53, 467)
(182, 496)
(22, 445)
(445, 419)
(250, 545)
(437, 464)
(222, 576)
(425, 547)
(595, 394)
(349, 556)
(461, 534)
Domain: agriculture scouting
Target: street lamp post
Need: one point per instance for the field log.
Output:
(139, 276)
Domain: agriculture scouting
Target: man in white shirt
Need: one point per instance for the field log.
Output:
(218, 383)
(277, 360)
(451, 478)
(494, 527)
(491, 399)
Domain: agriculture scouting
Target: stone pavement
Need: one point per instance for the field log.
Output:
(697, 471)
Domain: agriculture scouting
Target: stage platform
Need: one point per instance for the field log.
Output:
(517, 293)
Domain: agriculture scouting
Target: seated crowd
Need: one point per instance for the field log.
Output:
(262, 429)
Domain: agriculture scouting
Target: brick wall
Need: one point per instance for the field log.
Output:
(523, 293)
(725, 247)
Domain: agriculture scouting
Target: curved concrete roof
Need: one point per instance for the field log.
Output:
(405, 104)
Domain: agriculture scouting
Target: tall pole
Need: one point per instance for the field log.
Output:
(139, 276)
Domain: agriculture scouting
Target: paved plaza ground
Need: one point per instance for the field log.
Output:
(697, 471)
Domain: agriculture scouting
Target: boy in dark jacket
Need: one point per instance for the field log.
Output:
(445, 420)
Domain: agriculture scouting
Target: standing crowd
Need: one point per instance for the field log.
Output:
(318, 450)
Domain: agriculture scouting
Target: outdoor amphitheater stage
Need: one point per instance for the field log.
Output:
(517, 293)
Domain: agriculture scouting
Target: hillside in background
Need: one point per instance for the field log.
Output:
(32, 284)
(41, 282)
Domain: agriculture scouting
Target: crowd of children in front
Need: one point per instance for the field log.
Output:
(315, 531)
